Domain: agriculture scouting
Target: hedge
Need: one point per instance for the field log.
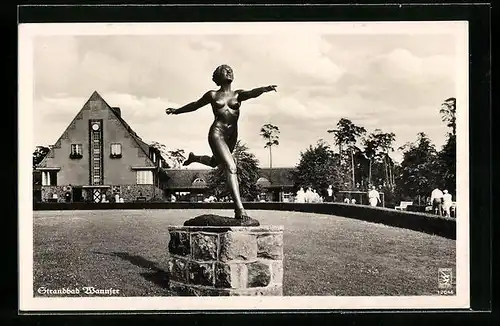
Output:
(423, 222)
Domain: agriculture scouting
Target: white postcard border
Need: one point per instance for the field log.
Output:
(27, 302)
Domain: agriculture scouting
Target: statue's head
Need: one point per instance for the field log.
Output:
(223, 74)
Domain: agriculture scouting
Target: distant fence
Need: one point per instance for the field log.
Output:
(423, 222)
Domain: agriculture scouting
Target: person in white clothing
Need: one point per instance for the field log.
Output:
(315, 196)
(447, 202)
(437, 201)
(300, 198)
(373, 197)
(309, 195)
(329, 192)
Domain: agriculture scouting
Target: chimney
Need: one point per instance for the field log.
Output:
(118, 111)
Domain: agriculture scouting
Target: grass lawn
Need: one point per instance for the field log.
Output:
(324, 255)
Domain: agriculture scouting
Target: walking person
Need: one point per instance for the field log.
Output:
(447, 202)
(437, 201)
(373, 197)
(329, 194)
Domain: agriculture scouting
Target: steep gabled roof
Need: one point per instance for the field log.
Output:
(133, 134)
(181, 179)
(97, 97)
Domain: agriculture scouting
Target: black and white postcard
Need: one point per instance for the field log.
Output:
(224, 166)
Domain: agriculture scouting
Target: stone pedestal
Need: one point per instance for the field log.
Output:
(226, 261)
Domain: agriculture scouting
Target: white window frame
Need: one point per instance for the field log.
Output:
(114, 152)
(78, 149)
(46, 180)
(144, 177)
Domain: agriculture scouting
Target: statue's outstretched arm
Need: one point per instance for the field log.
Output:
(193, 106)
(256, 92)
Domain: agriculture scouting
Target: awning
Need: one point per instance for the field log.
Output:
(143, 167)
(48, 169)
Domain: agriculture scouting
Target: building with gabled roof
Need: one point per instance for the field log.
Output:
(99, 157)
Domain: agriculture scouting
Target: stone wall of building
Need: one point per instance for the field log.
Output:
(226, 261)
(49, 191)
(131, 192)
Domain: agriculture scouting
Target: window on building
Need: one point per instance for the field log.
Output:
(49, 178)
(116, 150)
(76, 151)
(144, 177)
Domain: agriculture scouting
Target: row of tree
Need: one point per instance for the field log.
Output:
(424, 167)
(364, 159)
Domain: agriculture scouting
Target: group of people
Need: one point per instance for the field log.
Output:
(308, 196)
(312, 196)
(442, 202)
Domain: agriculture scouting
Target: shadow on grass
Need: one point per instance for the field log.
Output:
(157, 275)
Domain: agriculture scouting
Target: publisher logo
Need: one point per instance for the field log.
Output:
(445, 276)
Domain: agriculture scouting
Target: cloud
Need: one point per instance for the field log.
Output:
(298, 57)
(394, 83)
(402, 64)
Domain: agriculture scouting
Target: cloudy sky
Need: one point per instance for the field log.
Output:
(395, 82)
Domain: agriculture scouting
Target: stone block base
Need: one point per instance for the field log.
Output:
(226, 260)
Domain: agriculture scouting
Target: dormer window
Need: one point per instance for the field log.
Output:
(116, 150)
(199, 183)
(76, 151)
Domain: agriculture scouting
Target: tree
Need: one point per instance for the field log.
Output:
(270, 133)
(318, 168)
(39, 154)
(378, 145)
(248, 174)
(370, 153)
(347, 133)
(448, 163)
(448, 113)
(176, 157)
(448, 154)
(385, 141)
(171, 158)
(419, 168)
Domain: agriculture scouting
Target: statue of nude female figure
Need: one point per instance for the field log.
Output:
(223, 133)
